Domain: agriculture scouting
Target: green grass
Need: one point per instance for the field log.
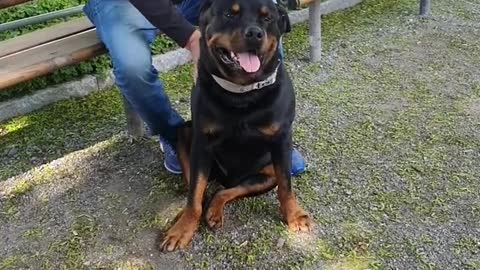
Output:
(33, 234)
(21, 188)
(88, 120)
(72, 248)
(10, 262)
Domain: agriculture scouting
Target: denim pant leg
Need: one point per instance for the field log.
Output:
(190, 9)
(128, 35)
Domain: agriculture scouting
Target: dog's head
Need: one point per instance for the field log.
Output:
(240, 37)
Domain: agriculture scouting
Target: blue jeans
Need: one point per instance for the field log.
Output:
(127, 35)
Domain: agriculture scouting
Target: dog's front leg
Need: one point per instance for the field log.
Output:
(181, 233)
(295, 217)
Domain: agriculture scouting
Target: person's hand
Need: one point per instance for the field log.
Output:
(193, 45)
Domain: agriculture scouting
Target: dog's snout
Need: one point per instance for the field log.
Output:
(254, 33)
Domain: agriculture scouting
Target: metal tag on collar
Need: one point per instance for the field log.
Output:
(265, 83)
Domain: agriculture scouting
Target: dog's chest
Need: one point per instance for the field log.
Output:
(244, 132)
(241, 153)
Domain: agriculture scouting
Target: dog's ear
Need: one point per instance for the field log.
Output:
(283, 20)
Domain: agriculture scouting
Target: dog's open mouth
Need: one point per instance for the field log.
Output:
(249, 61)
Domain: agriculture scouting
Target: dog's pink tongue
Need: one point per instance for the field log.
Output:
(249, 62)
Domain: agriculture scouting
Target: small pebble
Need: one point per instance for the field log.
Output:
(12, 152)
(280, 242)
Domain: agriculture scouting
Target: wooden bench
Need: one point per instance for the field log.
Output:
(43, 51)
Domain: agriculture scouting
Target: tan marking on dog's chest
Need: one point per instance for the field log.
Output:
(270, 130)
(264, 11)
(236, 8)
(210, 128)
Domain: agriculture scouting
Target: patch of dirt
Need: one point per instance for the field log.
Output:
(474, 109)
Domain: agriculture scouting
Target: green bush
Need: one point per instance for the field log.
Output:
(33, 9)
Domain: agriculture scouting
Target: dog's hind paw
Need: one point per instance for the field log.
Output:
(300, 222)
(214, 217)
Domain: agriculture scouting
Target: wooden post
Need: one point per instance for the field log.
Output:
(315, 28)
(425, 8)
(134, 122)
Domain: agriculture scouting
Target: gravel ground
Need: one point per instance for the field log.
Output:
(389, 123)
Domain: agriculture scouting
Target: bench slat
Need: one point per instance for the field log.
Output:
(43, 36)
(46, 58)
(9, 3)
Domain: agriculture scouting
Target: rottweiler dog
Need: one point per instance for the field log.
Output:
(242, 106)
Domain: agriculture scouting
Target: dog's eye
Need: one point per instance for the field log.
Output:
(230, 14)
(267, 19)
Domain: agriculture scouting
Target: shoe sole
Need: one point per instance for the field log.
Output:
(170, 170)
(298, 172)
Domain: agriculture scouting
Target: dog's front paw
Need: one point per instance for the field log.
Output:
(299, 221)
(180, 234)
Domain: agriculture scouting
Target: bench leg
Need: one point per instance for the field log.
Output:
(425, 7)
(315, 26)
(135, 126)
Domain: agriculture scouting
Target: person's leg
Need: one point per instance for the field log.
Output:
(190, 9)
(128, 35)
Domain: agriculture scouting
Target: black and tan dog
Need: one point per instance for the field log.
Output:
(243, 106)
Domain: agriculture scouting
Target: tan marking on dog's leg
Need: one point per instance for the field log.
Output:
(181, 233)
(214, 214)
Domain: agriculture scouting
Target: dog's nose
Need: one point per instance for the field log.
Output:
(254, 33)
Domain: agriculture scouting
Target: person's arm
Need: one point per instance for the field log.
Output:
(165, 16)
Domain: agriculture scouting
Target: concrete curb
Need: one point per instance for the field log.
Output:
(92, 83)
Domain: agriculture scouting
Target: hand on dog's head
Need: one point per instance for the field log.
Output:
(240, 38)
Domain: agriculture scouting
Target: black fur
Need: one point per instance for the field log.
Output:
(238, 146)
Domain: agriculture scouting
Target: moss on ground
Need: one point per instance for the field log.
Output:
(70, 250)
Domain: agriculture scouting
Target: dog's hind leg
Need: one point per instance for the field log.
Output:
(256, 185)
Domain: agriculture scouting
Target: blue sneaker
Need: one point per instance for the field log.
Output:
(298, 163)
(171, 160)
